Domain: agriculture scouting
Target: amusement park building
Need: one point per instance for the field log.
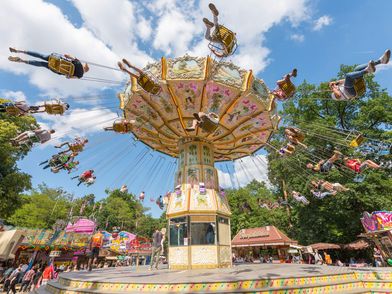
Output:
(252, 241)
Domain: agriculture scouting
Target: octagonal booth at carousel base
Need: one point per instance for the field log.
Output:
(198, 212)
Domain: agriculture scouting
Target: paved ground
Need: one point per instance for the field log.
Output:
(240, 272)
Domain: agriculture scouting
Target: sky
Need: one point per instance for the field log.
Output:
(274, 36)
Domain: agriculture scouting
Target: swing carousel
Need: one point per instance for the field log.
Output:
(198, 211)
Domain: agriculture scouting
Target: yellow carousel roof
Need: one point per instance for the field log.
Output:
(190, 85)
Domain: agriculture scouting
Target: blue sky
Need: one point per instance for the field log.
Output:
(274, 36)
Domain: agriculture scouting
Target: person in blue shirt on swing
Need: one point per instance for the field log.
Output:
(64, 63)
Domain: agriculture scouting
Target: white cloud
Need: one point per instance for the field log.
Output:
(42, 27)
(297, 37)
(382, 67)
(112, 30)
(144, 29)
(246, 170)
(321, 22)
(178, 22)
(13, 95)
(77, 122)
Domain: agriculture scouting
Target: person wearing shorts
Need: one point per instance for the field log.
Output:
(95, 245)
(357, 166)
(325, 166)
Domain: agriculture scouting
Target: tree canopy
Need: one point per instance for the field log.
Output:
(12, 181)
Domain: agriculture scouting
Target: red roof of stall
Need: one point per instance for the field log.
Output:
(264, 236)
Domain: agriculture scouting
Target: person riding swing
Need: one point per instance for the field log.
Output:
(18, 108)
(207, 122)
(143, 80)
(75, 146)
(52, 107)
(223, 42)
(121, 126)
(285, 87)
(66, 65)
(353, 85)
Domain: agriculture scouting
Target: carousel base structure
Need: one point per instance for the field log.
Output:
(254, 278)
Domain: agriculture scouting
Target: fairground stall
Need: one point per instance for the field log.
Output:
(65, 244)
(378, 229)
(268, 243)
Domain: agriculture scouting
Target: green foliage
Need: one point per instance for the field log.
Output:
(12, 181)
(246, 212)
(42, 208)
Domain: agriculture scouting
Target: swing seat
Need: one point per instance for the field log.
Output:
(121, 126)
(357, 141)
(227, 42)
(54, 108)
(148, 84)
(12, 110)
(359, 178)
(360, 87)
(61, 65)
(76, 147)
(209, 123)
(288, 88)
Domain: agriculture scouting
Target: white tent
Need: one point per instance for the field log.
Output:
(9, 242)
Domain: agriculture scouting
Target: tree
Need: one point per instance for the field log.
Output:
(121, 209)
(325, 123)
(246, 212)
(42, 208)
(12, 181)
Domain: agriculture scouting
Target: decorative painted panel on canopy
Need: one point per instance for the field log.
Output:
(245, 110)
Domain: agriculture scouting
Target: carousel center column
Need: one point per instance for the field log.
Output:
(198, 212)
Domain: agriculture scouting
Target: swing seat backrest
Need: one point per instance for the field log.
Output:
(119, 127)
(148, 84)
(61, 65)
(227, 39)
(208, 125)
(12, 110)
(360, 87)
(288, 88)
(54, 109)
(357, 141)
(76, 147)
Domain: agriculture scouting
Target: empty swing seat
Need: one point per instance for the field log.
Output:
(357, 141)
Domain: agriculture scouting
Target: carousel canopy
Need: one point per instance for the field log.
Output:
(191, 85)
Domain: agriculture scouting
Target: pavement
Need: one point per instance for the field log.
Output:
(240, 272)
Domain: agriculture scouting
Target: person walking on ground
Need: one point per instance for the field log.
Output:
(95, 246)
(156, 248)
(27, 280)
